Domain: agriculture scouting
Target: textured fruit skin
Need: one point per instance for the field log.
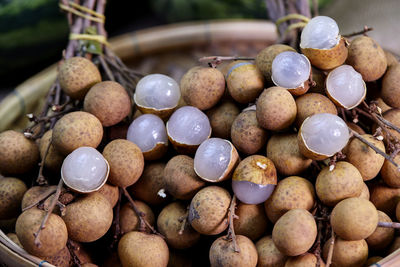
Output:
(390, 174)
(126, 162)
(268, 254)
(169, 224)
(381, 237)
(354, 218)
(222, 252)
(313, 103)
(208, 210)
(392, 115)
(143, 250)
(202, 87)
(54, 159)
(77, 75)
(305, 260)
(305, 151)
(293, 192)
(109, 102)
(12, 191)
(364, 192)
(129, 221)
(347, 253)
(53, 237)
(295, 232)
(367, 57)
(276, 109)
(61, 259)
(252, 221)
(256, 169)
(33, 194)
(342, 182)
(390, 91)
(76, 129)
(110, 192)
(18, 154)
(88, 218)
(284, 151)
(385, 198)
(327, 59)
(221, 119)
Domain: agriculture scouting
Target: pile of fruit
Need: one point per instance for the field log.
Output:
(217, 170)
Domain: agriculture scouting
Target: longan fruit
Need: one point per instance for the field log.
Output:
(385, 198)
(252, 221)
(12, 191)
(364, 192)
(346, 253)
(268, 254)
(111, 192)
(129, 220)
(305, 260)
(54, 158)
(221, 119)
(390, 91)
(313, 103)
(61, 259)
(382, 236)
(391, 59)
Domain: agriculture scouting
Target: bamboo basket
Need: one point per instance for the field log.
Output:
(144, 50)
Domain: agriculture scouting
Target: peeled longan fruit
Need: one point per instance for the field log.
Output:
(252, 221)
(222, 252)
(265, 57)
(143, 250)
(181, 181)
(111, 192)
(283, 150)
(129, 220)
(276, 109)
(381, 237)
(366, 160)
(12, 191)
(342, 182)
(295, 232)
(305, 260)
(126, 162)
(390, 91)
(247, 135)
(221, 119)
(61, 259)
(347, 253)
(367, 57)
(88, 218)
(202, 87)
(313, 103)
(77, 75)
(149, 184)
(76, 129)
(385, 198)
(52, 238)
(208, 210)
(109, 102)
(54, 159)
(18, 154)
(169, 223)
(293, 192)
(244, 81)
(354, 218)
(268, 254)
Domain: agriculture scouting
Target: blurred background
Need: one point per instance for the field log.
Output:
(33, 33)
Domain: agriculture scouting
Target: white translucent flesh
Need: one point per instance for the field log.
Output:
(251, 193)
(290, 69)
(157, 91)
(189, 125)
(85, 169)
(146, 131)
(346, 86)
(325, 133)
(212, 158)
(321, 32)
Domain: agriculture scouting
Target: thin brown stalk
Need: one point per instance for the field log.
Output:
(216, 60)
(330, 252)
(363, 31)
(231, 231)
(42, 197)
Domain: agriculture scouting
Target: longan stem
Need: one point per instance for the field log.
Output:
(231, 231)
(71, 248)
(363, 31)
(330, 252)
(216, 60)
(40, 199)
(394, 225)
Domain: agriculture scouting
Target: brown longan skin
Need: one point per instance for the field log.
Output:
(313, 103)
(208, 210)
(347, 253)
(252, 221)
(221, 119)
(128, 219)
(126, 162)
(33, 194)
(295, 232)
(88, 218)
(169, 223)
(52, 238)
(354, 218)
(247, 135)
(222, 252)
(143, 250)
(12, 191)
(61, 259)
(366, 160)
(293, 192)
(54, 158)
(283, 150)
(109, 102)
(111, 192)
(393, 116)
(342, 182)
(268, 254)
(276, 109)
(385, 198)
(181, 181)
(364, 192)
(305, 260)
(390, 174)
(382, 236)
(76, 129)
(390, 91)
(202, 87)
(391, 59)
(77, 75)
(18, 155)
(367, 57)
